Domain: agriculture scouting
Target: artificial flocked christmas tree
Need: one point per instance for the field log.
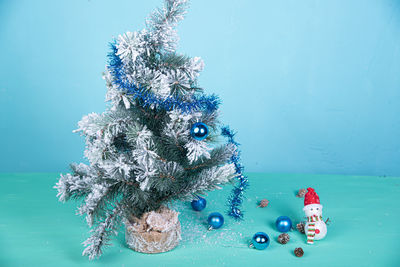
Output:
(155, 143)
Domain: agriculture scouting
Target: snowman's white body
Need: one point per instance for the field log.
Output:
(315, 227)
(320, 228)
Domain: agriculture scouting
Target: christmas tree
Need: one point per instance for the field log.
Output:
(157, 141)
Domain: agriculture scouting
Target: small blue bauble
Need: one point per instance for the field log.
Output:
(283, 224)
(215, 220)
(260, 240)
(199, 131)
(199, 204)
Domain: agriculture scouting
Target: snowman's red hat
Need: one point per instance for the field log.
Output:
(311, 197)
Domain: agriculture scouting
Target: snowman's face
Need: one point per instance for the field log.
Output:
(313, 209)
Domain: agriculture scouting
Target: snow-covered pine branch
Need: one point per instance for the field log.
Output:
(101, 130)
(114, 94)
(101, 234)
(145, 158)
(218, 157)
(163, 21)
(75, 185)
(93, 202)
(130, 46)
(196, 150)
(178, 125)
(209, 179)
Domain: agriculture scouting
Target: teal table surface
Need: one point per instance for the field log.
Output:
(37, 230)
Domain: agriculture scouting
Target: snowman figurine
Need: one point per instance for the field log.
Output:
(315, 227)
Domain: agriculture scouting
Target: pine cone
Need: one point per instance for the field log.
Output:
(302, 192)
(283, 238)
(298, 252)
(263, 203)
(300, 227)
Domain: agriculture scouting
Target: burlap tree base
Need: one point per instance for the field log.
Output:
(155, 232)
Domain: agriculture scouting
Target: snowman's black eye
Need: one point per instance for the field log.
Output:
(317, 208)
(311, 209)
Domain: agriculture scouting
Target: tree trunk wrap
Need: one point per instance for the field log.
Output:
(155, 232)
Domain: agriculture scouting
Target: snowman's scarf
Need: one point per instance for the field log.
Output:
(311, 227)
(314, 218)
(310, 233)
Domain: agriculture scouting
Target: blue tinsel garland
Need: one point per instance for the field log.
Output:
(198, 102)
(236, 198)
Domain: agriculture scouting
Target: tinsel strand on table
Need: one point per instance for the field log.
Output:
(236, 197)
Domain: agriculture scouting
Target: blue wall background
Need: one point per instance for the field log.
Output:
(310, 86)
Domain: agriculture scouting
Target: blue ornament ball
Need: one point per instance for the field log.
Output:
(260, 240)
(215, 220)
(199, 131)
(199, 204)
(283, 224)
